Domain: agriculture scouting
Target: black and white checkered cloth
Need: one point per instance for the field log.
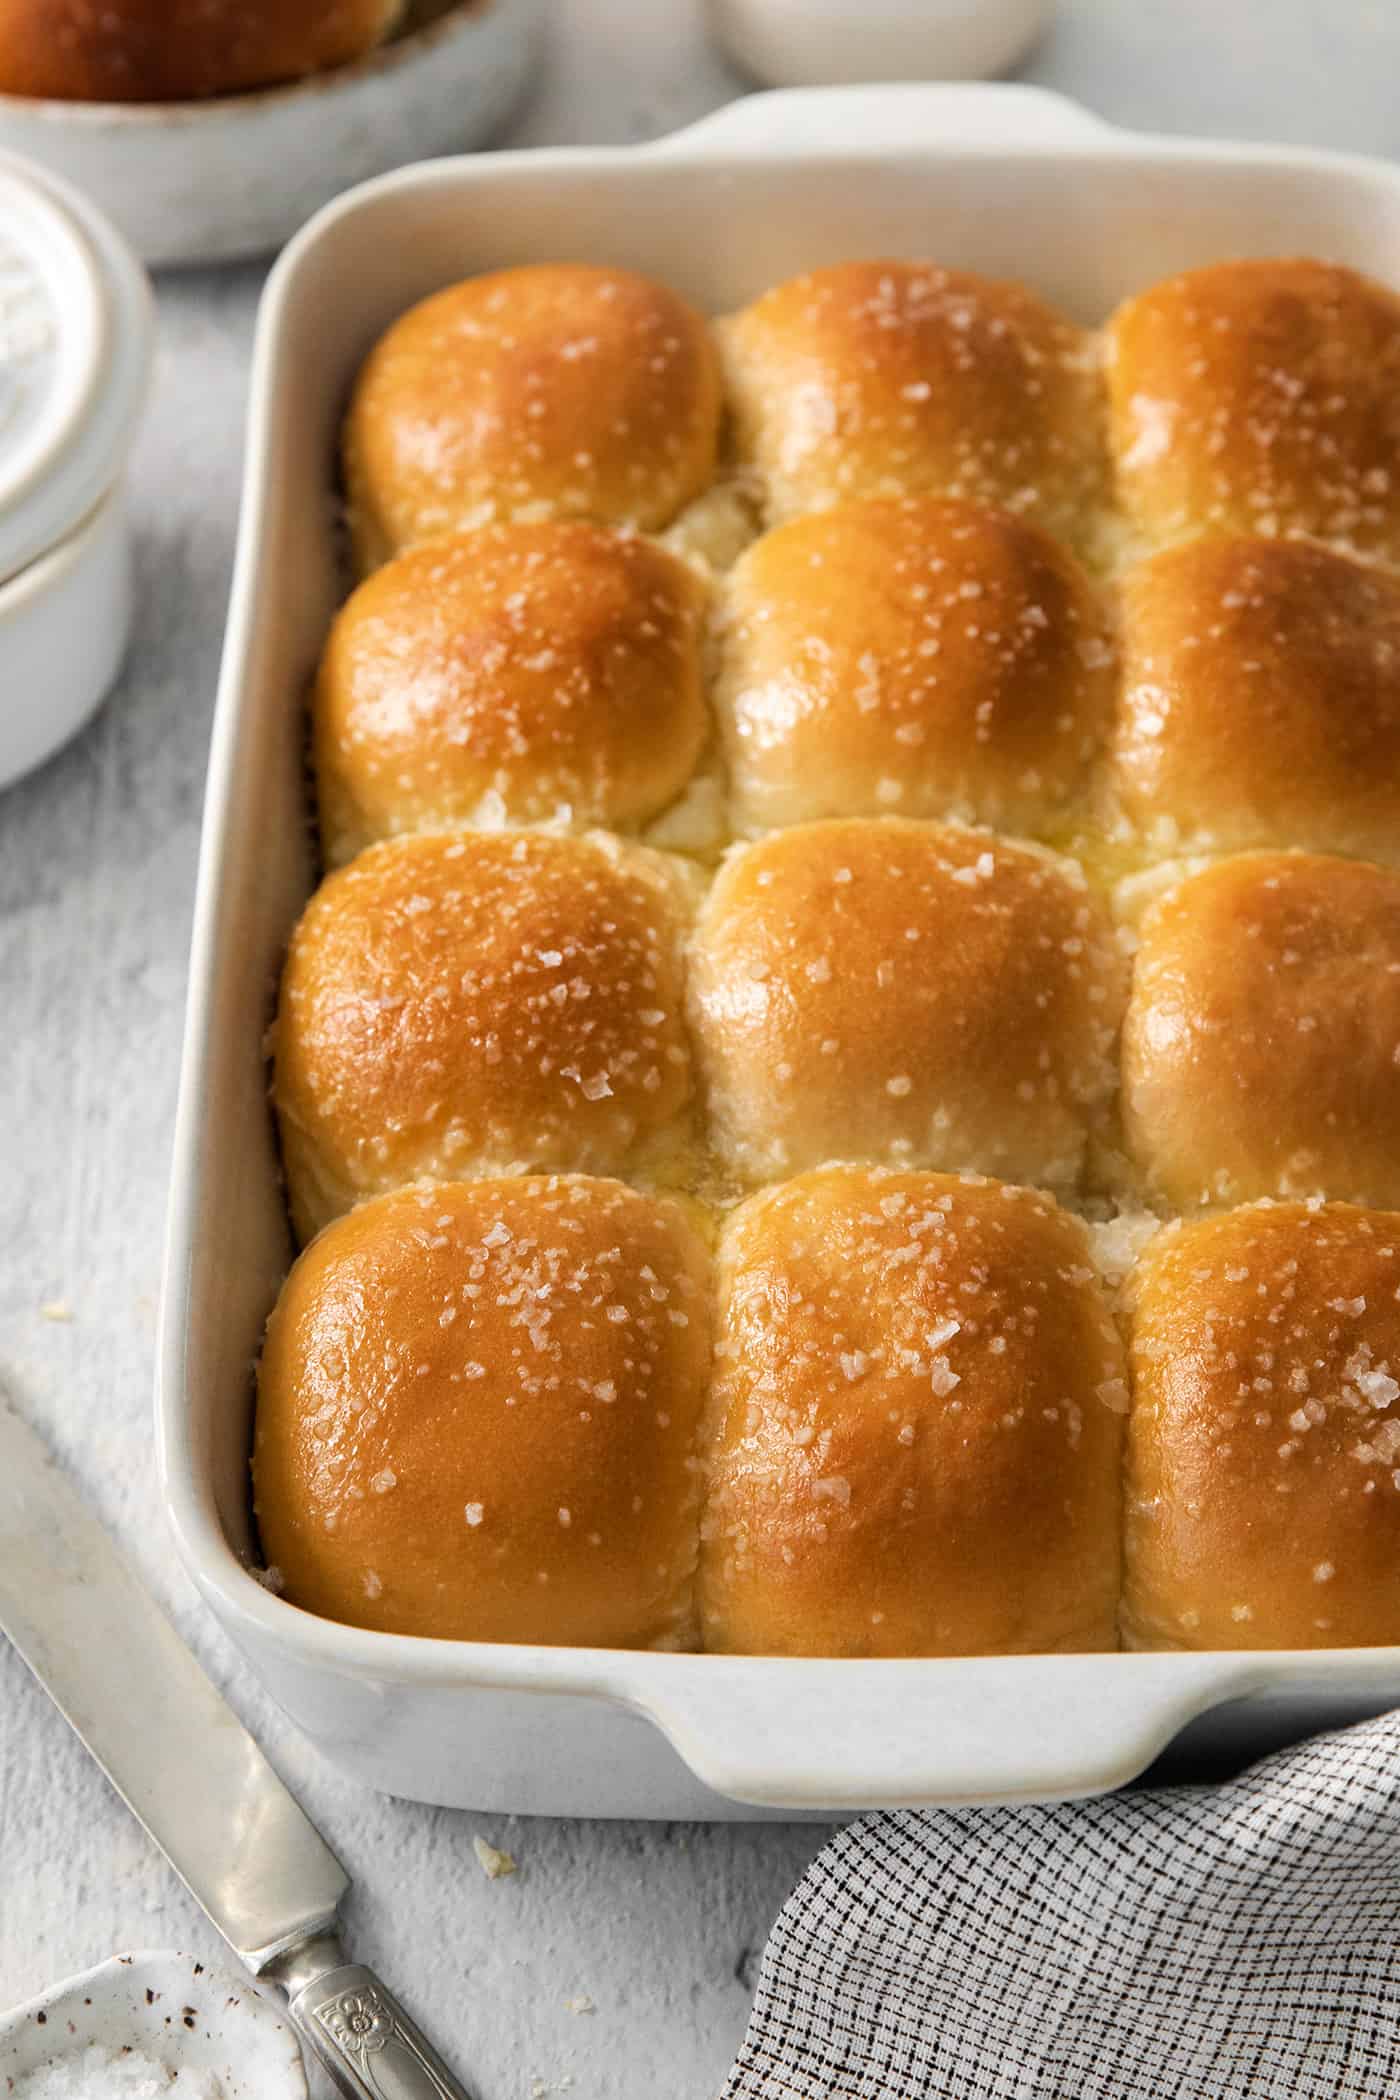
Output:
(1202, 1942)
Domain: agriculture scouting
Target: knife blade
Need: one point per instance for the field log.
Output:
(192, 1775)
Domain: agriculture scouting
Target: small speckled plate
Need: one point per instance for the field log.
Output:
(171, 2008)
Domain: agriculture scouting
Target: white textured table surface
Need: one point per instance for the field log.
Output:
(658, 1926)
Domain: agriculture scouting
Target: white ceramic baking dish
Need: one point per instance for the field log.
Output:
(1007, 180)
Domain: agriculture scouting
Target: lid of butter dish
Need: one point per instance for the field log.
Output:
(75, 354)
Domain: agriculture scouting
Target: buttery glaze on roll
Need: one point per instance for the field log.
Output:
(553, 390)
(1260, 701)
(484, 1004)
(1259, 397)
(1261, 1047)
(477, 1411)
(1263, 1491)
(514, 675)
(914, 1442)
(905, 379)
(151, 51)
(907, 994)
(920, 658)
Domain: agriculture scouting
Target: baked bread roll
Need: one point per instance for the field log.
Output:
(1260, 702)
(1259, 397)
(477, 1410)
(906, 994)
(922, 658)
(1263, 1496)
(151, 51)
(554, 390)
(481, 1005)
(913, 1445)
(518, 674)
(904, 379)
(1261, 1048)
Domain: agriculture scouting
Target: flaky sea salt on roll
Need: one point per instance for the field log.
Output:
(552, 390)
(477, 1411)
(917, 658)
(1260, 700)
(907, 994)
(913, 1446)
(519, 674)
(482, 1004)
(1259, 396)
(908, 379)
(1263, 1489)
(1261, 1045)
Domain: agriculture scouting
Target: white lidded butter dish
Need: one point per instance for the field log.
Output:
(75, 353)
(150, 2023)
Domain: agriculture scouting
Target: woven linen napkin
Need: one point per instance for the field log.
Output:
(1202, 1942)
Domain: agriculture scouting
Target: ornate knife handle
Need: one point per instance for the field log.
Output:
(365, 2039)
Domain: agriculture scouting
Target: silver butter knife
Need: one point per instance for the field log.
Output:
(189, 1770)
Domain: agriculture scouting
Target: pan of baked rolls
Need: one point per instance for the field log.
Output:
(788, 1184)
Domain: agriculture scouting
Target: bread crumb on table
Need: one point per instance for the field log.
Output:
(493, 1862)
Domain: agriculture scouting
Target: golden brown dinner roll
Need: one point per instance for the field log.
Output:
(907, 994)
(1263, 1496)
(480, 1005)
(1259, 397)
(477, 1406)
(516, 674)
(1260, 702)
(919, 657)
(904, 379)
(913, 1445)
(151, 51)
(1261, 1048)
(554, 390)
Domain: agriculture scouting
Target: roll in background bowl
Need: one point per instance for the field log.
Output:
(236, 175)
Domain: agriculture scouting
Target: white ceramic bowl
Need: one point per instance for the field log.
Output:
(170, 2008)
(824, 43)
(208, 181)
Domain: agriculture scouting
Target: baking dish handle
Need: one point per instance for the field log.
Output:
(893, 119)
(798, 1735)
